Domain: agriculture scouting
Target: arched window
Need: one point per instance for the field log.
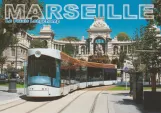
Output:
(115, 50)
(99, 46)
(45, 43)
(83, 50)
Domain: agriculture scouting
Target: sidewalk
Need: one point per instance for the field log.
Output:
(6, 96)
(121, 102)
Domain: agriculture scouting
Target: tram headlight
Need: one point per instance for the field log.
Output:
(37, 54)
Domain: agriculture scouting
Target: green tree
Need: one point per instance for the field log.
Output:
(146, 45)
(69, 49)
(6, 39)
(36, 43)
(8, 30)
(70, 38)
(2, 62)
(157, 11)
(122, 57)
(122, 37)
(115, 61)
(99, 59)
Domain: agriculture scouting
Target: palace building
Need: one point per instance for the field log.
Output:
(98, 42)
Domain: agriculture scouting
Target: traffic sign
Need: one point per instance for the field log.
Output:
(126, 69)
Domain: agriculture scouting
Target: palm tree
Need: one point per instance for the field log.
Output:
(2, 62)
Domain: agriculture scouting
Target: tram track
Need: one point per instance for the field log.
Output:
(94, 103)
(60, 111)
(9, 102)
(64, 108)
(38, 107)
(12, 105)
(107, 105)
(35, 108)
(92, 110)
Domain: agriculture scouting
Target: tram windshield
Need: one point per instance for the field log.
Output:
(41, 71)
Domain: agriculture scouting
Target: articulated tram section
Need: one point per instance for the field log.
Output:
(52, 73)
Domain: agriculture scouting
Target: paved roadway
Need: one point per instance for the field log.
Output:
(6, 97)
(95, 100)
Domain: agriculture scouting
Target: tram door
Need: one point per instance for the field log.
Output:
(72, 79)
(65, 81)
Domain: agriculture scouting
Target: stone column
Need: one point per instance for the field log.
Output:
(106, 46)
(79, 50)
(58, 46)
(63, 47)
(91, 48)
(127, 49)
(118, 49)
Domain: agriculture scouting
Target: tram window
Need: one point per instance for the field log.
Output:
(83, 74)
(78, 74)
(65, 78)
(95, 74)
(110, 74)
(42, 66)
(72, 76)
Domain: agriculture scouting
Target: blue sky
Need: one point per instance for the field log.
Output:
(79, 27)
